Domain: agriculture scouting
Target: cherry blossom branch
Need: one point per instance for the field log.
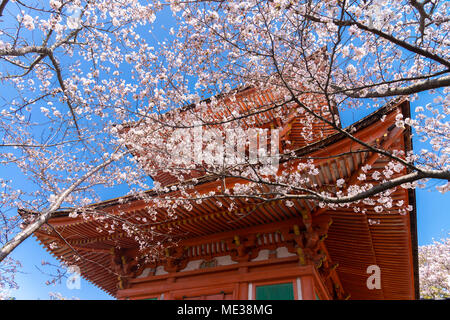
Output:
(64, 90)
(2, 6)
(417, 87)
(309, 194)
(55, 205)
(390, 38)
(332, 124)
(411, 89)
(25, 50)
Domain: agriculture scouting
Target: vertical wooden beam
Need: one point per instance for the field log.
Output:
(243, 291)
(307, 283)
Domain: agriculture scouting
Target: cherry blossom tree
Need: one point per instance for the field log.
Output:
(95, 93)
(8, 270)
(434, 268)
(59, 296)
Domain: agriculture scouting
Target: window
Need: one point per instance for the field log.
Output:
(281, 291)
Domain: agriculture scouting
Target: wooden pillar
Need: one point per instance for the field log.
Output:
(308, 288)
(242, 286)
(243, 291)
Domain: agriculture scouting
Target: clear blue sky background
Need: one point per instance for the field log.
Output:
(433, 220)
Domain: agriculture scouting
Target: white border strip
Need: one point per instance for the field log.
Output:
(299, 289)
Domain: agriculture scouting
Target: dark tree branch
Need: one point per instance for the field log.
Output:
(417, 87)
(385, 36)
(2, 6)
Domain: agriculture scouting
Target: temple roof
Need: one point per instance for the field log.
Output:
(354, 241)
(246, 107)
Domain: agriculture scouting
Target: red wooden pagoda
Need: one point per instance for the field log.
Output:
(260, 250)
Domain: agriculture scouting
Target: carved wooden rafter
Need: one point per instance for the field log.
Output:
(125, 266)
(175, 259)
